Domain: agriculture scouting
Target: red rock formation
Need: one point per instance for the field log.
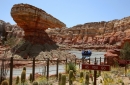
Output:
(34, 22)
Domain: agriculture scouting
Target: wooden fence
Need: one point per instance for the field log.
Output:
(11, 63)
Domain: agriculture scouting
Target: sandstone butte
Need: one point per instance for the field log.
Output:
(34, 22)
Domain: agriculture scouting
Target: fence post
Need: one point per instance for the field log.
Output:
(100, 64)
(66, 65)
(104, 61)
(95, 73)
(33, 71)
(89, 60)
(47, 69)
(11, 71)
(57, 68)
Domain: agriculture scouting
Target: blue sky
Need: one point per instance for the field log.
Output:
(73, 12)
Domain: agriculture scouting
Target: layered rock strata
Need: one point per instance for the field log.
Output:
(94, 33)
(34, 21)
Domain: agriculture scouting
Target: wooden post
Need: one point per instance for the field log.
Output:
(104, 61)
(47, 69)
(89, 63)
(11, 71)
(95, 73)
(33, 71)
(89, 60)
(57, 68)
(100, 64)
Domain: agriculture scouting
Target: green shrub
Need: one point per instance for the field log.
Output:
(71, 66)
(5, 82)
(35, 83)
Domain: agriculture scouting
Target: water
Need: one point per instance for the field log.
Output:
(52, 69)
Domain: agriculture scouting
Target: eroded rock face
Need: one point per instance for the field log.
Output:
(111, 32)
(34, 22)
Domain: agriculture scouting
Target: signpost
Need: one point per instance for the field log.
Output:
(96, 67)
(127, 61)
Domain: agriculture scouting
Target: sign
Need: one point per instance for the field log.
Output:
(96, 67)
(127, 61)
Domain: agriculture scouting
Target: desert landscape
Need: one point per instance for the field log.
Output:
(40, 36)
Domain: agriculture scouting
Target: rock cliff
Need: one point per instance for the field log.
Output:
(93, 33)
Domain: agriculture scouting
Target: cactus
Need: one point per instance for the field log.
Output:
(30, 77)
(5, 82)
(87, 79)
(24, 68)
(70, 77)
(35, 83)
(91, 76)
(63, 80)
(122, 83)
(81, 74)
(23, 76)
(17, 80)
(59, 77)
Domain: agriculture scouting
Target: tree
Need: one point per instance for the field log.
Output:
(125, 51)
(125, 54)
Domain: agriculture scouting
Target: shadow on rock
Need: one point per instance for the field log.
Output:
(29, 50)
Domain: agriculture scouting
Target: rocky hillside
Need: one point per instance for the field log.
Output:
(9, 32)
(93, 33)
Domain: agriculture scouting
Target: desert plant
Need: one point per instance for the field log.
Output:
(59, 77)
(87, 78)
(24, 68)
(125, 51)
(30, 77)
(63, 80)
(42, 80)
(122, 83)
(81, 77)
(5, 82)
(23, 76)
(17, 80)
(35, 83)
(81, 74)
(70, 77)
(71, 66)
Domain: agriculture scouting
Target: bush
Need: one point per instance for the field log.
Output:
(71, 66)
(35, 83)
